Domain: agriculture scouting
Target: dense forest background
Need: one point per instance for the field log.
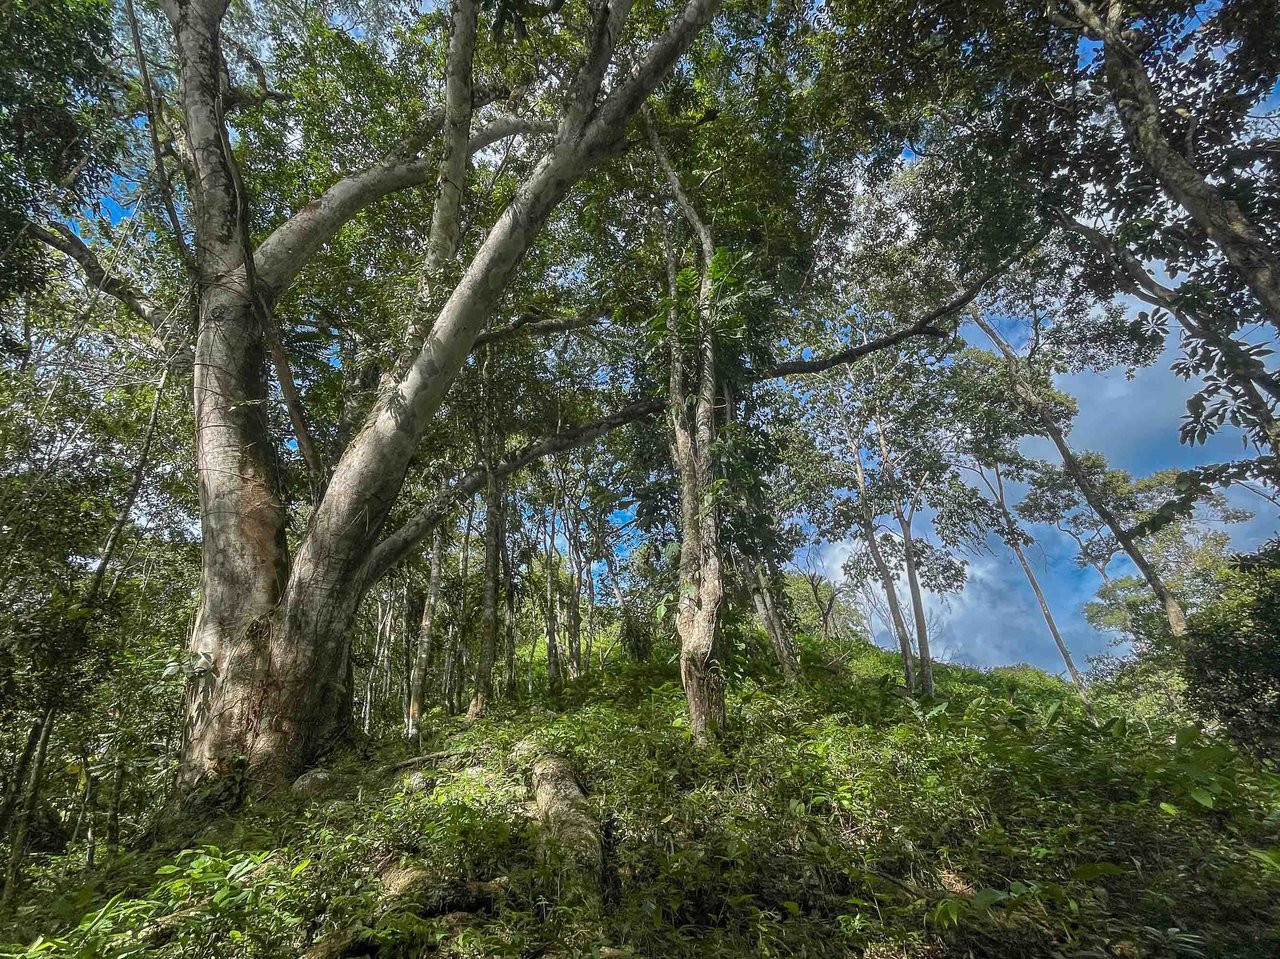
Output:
(514, 479)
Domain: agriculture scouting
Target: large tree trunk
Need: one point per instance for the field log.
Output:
(271, 684)
(242, 519)
(1239, 239)
(1172, 608)
(702, 652)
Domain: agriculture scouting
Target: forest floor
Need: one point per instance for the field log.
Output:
(839, 818)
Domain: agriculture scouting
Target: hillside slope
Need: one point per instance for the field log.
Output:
(841, 819)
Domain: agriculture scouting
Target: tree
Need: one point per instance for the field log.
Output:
(269, 658)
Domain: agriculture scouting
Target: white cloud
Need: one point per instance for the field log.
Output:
(1134, 423)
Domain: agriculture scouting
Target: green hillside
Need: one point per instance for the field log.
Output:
(839, 819)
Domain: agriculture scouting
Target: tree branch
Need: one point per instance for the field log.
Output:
(532, 325)
(65, 241)
(921, 327)
(392, 549)
(293, 404)
(286, 251)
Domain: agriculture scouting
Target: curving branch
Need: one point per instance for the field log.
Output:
(394, 548)
(532, 325)
(291, 245)
(63, 239)
(397, 545)
(925, 326)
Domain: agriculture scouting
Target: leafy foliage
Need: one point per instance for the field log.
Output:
(1232, 651)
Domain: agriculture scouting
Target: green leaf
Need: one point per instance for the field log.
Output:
(1268, 857)
(1095, 870)
(986, 898)
(1203, 797)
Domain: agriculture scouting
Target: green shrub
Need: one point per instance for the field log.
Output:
(1233, 654)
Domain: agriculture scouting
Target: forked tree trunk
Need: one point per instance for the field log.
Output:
(917, 600)
(271, 684)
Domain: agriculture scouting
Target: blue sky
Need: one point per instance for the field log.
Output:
(1134, 422)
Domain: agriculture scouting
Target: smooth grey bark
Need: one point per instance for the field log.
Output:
(1013, 538)
(442, 240)
(867, 525)
(271, 658)
(895, 606)
(272, 650)
(905, 517)
(1173, 609)
(242, 518)
(917, 600)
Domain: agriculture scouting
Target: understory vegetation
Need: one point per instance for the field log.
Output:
(538, 478)
(838, 818)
